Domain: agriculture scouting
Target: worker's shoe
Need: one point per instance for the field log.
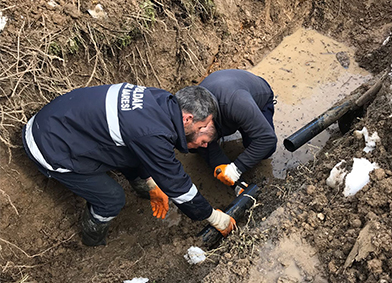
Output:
(141, 188)
(93, 232)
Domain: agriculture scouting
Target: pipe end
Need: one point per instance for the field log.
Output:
(289, 145)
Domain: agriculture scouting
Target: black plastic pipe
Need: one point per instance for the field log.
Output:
(235, 209)
(312, 129)
(316, 126)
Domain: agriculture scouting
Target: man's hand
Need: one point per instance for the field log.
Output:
(222, 222)
(228, 174)
(159, 200)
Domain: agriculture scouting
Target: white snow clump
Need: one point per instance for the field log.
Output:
(359, 176)
(52, 3)
(137, 280)
(3, 21)
(195, 255)
(97, 12)
(370, 141)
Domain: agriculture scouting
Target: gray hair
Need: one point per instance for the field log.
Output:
(198, 101)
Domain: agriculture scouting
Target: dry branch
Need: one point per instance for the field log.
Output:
(9, 200)
(39, 254)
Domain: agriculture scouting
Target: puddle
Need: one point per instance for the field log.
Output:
(289, 260)
(307, 79)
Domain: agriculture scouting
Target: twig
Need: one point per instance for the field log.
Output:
(18, 46)
(9, 200)
(255, 204)
(39, 254)
(144, 64)
(190, 58)
(17, 74)
(346, 82)
(340, 7)
(267, 13)
(97, 52)
(10, 7)
(7, 266)
(149, 62)
(20, 79)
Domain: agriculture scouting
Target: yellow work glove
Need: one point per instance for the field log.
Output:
(228, 174)
(159, 200)
(223, 222)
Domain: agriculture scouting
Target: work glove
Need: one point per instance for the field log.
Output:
(223, 222)
(228, 174)
(158, 199)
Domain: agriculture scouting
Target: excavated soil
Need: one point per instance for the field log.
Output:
(299, 229)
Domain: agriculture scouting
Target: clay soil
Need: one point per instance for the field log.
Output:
(299, 230)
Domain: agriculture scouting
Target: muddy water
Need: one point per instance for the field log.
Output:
(308, 76)
(307, 79)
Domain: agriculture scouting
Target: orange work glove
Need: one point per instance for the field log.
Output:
(228, 174)
(159, 201)
(223, 222)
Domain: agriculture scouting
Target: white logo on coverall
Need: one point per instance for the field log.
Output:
(131, 100)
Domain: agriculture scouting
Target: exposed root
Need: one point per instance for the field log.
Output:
(190, 58)
(39, 254)
(9, 200)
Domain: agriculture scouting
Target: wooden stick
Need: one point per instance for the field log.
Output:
(368, 95)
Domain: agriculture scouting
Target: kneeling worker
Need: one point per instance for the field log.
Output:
(83, 134)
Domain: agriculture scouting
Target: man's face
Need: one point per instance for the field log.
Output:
(192, 129)
(203, 138)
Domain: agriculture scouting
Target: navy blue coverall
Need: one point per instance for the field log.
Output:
(83, 134)
(246, 104)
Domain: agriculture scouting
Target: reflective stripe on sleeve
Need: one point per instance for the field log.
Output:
(188, 196)
(35, 150)
(111, 105)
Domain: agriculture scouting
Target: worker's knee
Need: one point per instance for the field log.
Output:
(114, 202)
(107, 198)
(271, 152)
(108, 209)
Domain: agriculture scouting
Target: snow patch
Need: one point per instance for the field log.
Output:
(3, 21)
(52, 3)
(370, 141)
(137, 280)
(195, 255)
(97, 12)
(359, 176)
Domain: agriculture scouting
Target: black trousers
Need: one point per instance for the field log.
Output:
(101, 192)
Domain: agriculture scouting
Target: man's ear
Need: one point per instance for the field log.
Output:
(187, 118)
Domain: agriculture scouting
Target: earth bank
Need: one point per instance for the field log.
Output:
(300, 230)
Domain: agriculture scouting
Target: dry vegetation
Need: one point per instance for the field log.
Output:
(43, 60)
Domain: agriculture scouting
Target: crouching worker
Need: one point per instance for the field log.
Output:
(245, 103)
(80, 136)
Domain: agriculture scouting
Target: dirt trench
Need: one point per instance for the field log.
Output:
(300, 230)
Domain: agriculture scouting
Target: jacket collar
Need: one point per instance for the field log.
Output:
(218, 118)
(176, 117)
